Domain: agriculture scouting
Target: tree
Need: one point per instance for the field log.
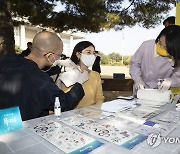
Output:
(115, 57)
(6, 29)
(82, 15)
(126, 60)
(104, 59)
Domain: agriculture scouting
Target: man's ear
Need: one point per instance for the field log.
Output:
(48, 58)
(78, 55)
(47, 55)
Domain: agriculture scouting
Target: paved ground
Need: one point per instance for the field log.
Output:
(107, 71)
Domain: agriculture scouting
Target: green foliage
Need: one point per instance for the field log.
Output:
(117, 64)
(114, 59)
(91, 15)
(104, 59)
(126, 60)
(79, 15)
(126, 63)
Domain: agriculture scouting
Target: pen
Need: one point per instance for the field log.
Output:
(164, 121)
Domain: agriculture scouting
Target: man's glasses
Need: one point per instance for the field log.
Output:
(52, 53)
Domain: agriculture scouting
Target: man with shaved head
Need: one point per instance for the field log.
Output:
(24, 84)
(46, 48)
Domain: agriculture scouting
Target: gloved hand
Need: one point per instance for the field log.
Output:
(82, 77)
(66, 63)
(165, 85)
(139, 85)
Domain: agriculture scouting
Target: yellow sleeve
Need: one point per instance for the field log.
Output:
(99, 93)
(64, 88)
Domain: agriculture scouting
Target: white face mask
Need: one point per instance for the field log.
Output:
(53, 63)
(88, 60)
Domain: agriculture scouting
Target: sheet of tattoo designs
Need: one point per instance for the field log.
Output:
(65, 138)
(108, 129)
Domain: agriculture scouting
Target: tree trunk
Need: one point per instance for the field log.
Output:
(7, 43)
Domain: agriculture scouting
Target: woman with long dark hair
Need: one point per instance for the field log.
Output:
(158, 59)
(84, 56)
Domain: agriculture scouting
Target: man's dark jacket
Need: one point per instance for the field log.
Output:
(23, 84)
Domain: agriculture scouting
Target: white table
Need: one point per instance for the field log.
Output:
(25, 141)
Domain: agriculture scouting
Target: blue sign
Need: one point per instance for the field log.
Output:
(10, 120)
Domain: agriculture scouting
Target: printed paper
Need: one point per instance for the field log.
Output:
(65, 138)
(111, 131)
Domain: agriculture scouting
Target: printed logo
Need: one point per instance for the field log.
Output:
(154, 140)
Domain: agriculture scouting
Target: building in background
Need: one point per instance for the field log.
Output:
(26, 33)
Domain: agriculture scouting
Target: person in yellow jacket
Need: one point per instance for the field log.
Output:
(84, 56)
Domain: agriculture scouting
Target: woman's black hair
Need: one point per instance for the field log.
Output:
(172, 35)
(78, 48)
(170, 20)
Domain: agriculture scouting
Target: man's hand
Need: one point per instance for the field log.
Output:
(82, 77)
(165, 85)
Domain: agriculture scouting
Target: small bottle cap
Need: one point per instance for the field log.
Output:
(57, 99)
(57, 103)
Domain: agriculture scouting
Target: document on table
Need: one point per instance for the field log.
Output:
(152, 104)
(110, 130)
(92, 113)
(153, 127)
(139, 114)
(170, 117)
(118, 105)
(65, 138)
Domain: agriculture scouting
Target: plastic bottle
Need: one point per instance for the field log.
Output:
(159, 83)
(57, 108)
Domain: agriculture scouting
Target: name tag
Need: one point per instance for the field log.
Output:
(10, 120)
